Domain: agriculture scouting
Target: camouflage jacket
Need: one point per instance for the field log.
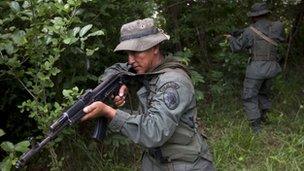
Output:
(166, 116)
(264, 55)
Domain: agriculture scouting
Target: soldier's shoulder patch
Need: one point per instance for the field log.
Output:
(170, 95)
(171, 84)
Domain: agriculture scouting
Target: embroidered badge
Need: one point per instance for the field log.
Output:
(170, 95)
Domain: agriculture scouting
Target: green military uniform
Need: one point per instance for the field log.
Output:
(261, 39)
(165, 125)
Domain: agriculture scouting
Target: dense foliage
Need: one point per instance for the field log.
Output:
(51, 50)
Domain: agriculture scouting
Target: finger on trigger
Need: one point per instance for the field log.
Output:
(121, 104)
(122, 91)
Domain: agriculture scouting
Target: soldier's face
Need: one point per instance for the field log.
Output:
(143, 61)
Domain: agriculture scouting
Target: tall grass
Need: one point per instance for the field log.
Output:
(280, 146)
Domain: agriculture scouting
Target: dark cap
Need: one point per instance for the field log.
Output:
(258, 9)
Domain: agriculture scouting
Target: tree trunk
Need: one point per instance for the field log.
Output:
(294, 32)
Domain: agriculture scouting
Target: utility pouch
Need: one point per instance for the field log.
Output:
(183, 135)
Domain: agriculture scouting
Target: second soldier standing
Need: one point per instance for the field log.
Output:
(261, 38)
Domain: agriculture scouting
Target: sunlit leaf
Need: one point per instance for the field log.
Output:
(6, 164)
(75, 31)
(19, 37)
(85, 29)
(26, 4)
(96, 33)
(9, 48)
(90, 52)
(22, 146)
(67, 40)
(2, 132)
(7, 146)
(15, 6)
(66, 93)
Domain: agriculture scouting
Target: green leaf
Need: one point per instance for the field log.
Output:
(19, 37)
(6, 164)
(90, 52)
(15, 6)
(96, 33)
(9, 48)
(54, 71)
(70, 40)
(26, 4)
(14, 161)
(75, 31)
(223, 44)
(47, 65)
(67, 40)
(2, 133)
(13, 62)
(57, 106)
(199, 95)
(76, 89)
(71, 2)
(85, 29)
(7, 146)
(22, 146)
(66, 7)
(66, 93)
(59, 23)
(48, 40)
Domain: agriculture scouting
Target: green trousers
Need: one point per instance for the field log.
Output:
(150, 164)
(256, 96)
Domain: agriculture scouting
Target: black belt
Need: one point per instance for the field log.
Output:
(264, 58)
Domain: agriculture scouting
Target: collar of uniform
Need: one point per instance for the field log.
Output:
(262, 25)
(262, 22)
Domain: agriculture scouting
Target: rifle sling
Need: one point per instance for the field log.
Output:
(262, 35)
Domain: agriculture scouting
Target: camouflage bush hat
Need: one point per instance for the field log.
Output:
(140, 35)
(258, 9)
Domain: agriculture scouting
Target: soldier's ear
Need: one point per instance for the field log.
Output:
(156, 49)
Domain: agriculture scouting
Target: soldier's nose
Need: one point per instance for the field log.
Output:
(131, 59)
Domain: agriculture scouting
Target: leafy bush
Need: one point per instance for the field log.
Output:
(35, 35)
(13, 151)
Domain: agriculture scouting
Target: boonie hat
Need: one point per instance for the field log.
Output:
(140, 35)
(258, 9)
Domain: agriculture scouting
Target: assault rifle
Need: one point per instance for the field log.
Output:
(219, 38)
(110, 86)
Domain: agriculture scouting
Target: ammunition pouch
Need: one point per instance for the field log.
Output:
(184, 145)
